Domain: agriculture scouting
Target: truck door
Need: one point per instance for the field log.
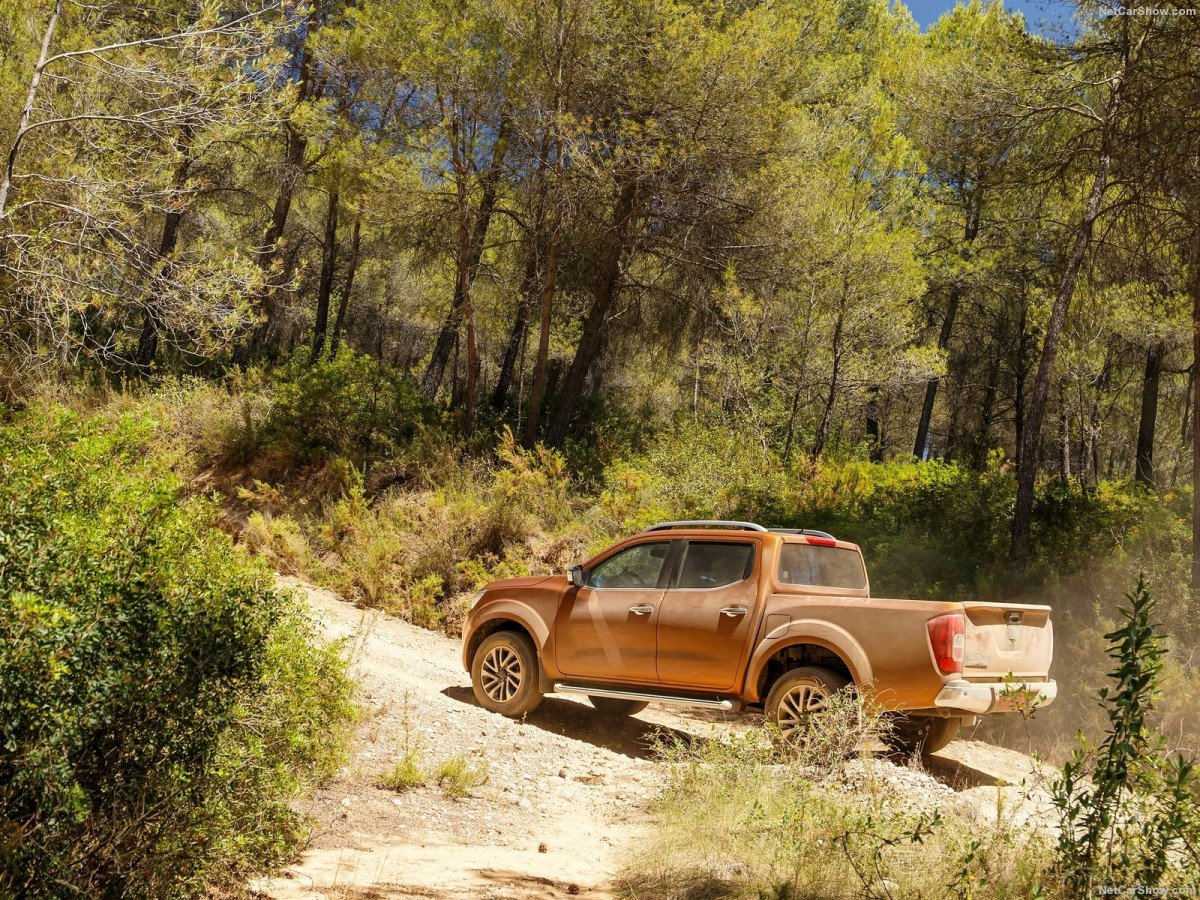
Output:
(605, 630)
(707, 611)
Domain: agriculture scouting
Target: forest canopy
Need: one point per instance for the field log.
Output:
(809, 222)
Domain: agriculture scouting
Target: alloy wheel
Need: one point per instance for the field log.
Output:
(797, 705)
(502, 674)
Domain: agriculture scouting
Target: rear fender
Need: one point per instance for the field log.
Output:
(808, 631)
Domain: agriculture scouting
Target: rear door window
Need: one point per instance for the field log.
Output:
(713, 564)
(835, 567)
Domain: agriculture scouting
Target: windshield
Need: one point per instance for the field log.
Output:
(834, 567)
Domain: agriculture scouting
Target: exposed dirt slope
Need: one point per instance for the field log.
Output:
(566, 795)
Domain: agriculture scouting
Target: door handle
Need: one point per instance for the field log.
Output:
(641, 609)
(733, 611)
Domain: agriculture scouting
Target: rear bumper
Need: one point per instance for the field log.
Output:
(995, 696)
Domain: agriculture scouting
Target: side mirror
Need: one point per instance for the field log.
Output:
(575, 575)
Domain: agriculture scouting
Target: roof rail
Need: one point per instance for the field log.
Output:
(710, 523)
(811, 532)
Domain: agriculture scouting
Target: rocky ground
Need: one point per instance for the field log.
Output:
(566, 794)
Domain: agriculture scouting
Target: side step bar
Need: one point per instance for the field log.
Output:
(640, 696)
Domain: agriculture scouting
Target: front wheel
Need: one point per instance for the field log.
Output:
(911, 735)
(798, 695)
(614, 706)
(504, 674)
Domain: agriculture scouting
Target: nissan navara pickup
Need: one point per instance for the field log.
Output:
(732, 615)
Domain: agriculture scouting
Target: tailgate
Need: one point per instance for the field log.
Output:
(1007, 637)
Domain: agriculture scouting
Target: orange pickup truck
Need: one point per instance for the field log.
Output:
(733, 615)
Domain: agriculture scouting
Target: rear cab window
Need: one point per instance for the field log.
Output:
(817, 565)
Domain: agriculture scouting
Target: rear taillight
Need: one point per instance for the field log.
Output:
(946, 636)
(821, 542)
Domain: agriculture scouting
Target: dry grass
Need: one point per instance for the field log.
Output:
(746, 817)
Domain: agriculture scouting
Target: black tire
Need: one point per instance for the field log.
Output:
(614, 706)
(911, 735)
(504, 674)
(799, 694)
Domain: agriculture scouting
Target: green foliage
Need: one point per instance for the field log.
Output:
(160, 702)
(406, 773)
(347, 406)
(457, 775)
(1127, 809)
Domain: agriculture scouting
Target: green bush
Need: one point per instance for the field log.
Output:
(160, 703)
(349, 406)
(1127, 808)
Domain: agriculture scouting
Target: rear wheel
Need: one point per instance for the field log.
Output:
(911, 735)
(504, 674)
(798, 695)
(614, 706)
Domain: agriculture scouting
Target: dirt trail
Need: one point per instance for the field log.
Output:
(567, 792)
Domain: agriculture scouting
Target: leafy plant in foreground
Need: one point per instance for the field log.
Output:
(1126, 809)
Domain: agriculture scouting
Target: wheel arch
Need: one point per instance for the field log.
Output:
(826, 646)
(489, 627)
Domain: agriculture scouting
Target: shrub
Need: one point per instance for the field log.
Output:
(457, 775)
(406, 773)
(348, 405)
(1128, 810)
(159, 702)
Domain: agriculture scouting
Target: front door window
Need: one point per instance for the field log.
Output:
(637, 567)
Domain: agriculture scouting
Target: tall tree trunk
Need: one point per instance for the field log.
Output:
(325, 282)
(344, 300)
(1027, 468)
(1064, 440)
(970, 230)
(35, 81)
(537, 390)
(516, 337)
(1194, 289)
(467, 265)
(922, 439)
(1021, 375)
(1185, 427)
(831, 398)
(987, 412)
(269, 251)
(1144, 461)
(874, 434)
(151, 325)
(603, 298)
(800, 376)
(538, 387)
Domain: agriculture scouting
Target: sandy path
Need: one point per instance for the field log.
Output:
(566, 795)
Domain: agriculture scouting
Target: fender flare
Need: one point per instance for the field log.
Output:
(809, 631)
(508, 610)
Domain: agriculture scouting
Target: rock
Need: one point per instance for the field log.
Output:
(524, 803)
